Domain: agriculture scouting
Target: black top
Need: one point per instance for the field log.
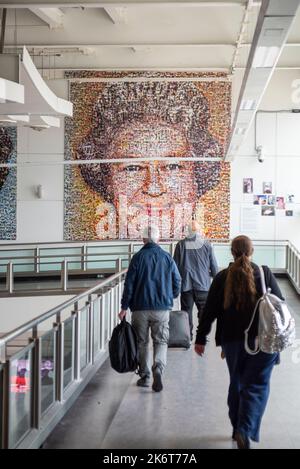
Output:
(231, 324)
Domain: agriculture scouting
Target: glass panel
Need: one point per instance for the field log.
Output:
(223, 255)
(137, 247)
(83, 338)
(280, 257)
(60, 254)
(273, 256)
(20, 397)
(68, 353)
(106, 248)
(264, 255)
(96, 312)
(14, 254)
(47, 371)
(1, 403)
(107, 259)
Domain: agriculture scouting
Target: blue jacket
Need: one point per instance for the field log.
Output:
(152, 280)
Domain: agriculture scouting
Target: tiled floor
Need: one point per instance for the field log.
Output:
(191, 412)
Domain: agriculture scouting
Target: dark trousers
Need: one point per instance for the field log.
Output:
(249, 387)
(188, 299)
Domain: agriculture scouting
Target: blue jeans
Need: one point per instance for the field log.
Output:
(249, 387)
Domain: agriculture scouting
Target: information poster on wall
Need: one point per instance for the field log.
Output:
(250, 218)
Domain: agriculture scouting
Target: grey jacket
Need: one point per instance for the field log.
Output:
(196, 263)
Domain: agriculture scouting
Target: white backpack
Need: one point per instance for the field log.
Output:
(276, 326)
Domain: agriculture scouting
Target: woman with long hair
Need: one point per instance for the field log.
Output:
(231, 300)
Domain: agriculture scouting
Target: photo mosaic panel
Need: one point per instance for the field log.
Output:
(138, 130)
(8, 183)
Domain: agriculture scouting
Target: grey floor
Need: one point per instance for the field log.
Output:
(190, 412)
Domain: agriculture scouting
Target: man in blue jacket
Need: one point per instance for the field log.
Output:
(151, 284)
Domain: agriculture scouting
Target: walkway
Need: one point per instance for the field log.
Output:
(191, 411)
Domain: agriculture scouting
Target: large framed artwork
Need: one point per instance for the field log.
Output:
(149, 148)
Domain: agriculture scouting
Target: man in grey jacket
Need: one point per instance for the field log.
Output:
(196, 263)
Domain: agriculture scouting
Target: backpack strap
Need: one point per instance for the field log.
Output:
(263, 280)
(256, 347)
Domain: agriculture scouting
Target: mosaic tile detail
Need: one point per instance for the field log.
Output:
(146, 120)
(8, 183)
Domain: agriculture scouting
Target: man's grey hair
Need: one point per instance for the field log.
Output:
(151, 233)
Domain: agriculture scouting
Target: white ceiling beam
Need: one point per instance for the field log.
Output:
(134, 45)
(118, 3)
(52, 16)
(141, 45)
(118, 15)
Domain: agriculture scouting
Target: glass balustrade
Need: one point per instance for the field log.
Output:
(48, 370)
(20, 395)
(84, 330)
(68, 352)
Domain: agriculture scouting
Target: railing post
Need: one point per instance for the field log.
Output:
(131, 251)
(84, 258)
(60, 359)
(37, 260)
(36, 394)
(91, 329)
(2, 353)
(10, 277)
(287, 258)
(101, 320)
(5, 401)
(76, 313)
(118, 264)
(64, 275)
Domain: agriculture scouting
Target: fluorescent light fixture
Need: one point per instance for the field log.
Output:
(248, 105)
(265, 57)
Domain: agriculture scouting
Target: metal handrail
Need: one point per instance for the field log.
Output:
(81, 256)
(98, 307)
(59, 262)
(48, 314)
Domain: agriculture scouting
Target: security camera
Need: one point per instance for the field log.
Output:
(260, 153)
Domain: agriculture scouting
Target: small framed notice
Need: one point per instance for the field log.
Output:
(250, 219)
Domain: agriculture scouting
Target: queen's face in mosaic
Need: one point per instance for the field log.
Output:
(152, 182)
(145, 133)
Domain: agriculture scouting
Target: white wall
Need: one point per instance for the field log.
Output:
(279, 134)
(41, 219)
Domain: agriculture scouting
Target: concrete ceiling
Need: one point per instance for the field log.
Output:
(138, 36)
(152, 35)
